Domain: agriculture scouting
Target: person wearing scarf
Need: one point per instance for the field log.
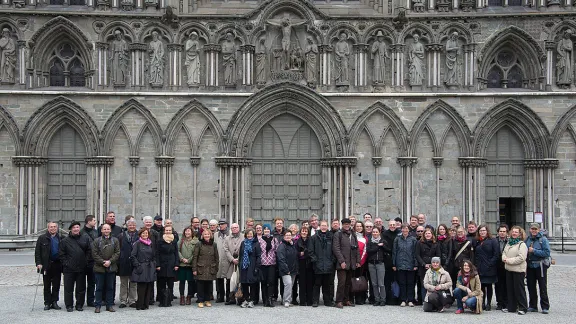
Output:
(306, 273)
(250, 262)
(461, 243)
(487, 259)
(143, 268)
(438, 286)
(377, 251)
(186, 248)
(445, 242)
(268, 245)
(468, 292)
(514, 257)
(167, 262)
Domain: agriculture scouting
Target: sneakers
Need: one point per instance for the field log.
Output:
(403, 304)
(200, 305)
(459, 311)
(545, 311)
(251, 304)
(532, 310)
(521, 312)
(286, 304)
(505, 310)
(208, 304)
(244, 304)
(411, 304)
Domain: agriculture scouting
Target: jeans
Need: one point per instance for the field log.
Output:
(377, 273)
(406, 283)
(51, 279)
(470, 302)
(538, 276)
(105, 283)
(288, 281)
(128, 291)
(72, 279)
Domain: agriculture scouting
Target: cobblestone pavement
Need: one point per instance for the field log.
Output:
(17, 288)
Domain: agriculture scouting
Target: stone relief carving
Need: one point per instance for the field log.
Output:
(261, 62)
(7, 57)
(311, 53)
(416, 62)
(120, 59)
(379, 54)
(229, 59)
(192, 62)
(565, 59)
(453, 64)
(341, 57)
(286, 24)
(418, 5)
(156, 61)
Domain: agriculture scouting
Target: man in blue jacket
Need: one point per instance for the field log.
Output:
(536, 272)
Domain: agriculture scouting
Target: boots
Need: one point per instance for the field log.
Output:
(270, 302)
(182, 301)
(169, 296)
(188, 300)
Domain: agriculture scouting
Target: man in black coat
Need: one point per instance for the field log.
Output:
(90, 230)
(74, 252)
(111, 220)
(345, 249)
(48, 262)
(323, 262)
(389, 236)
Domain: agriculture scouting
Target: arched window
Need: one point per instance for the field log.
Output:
(77, 78)
(515, 78)
(495, 77)
(67, 68)
(506, 71)
(57, 74)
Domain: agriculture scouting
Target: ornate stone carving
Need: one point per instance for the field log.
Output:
(341, 57)
(541, 164)
(400, 20)
(467, 5)
(453, 63)
(134, 160)
(379, 54)
(416, 62)
(311, 53)
(339, 161)
(229, 59)
(127, 5)
(443, 5)
(120, 59)
(407, 161)
(164, 160)
(195, 160)
(156, 61)
(103, 5)
(7, 57)
(376, 161)
(286, 24)
(565, 60)
(169, 18)
(478, 162)
(437, 161)
(29, 160)
(227, 161)
(418, 5)
(261, 62)
(99, 160)
(151, 3)
(192, 62)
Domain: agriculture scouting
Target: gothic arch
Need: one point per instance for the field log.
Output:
(370, 34)
(176, 124)
(284, 98)
(6, 120)
(523, 121)
(184, 33)
(457, 123)
(417, 27)
(305, 9)
(238, 34)
(12, 26)
(562, 125)
(463, 32)
(109, 30)
(553, 35)
(335, 31)
(163, 32)
(396, 126)
(114, 123)
(50, 118)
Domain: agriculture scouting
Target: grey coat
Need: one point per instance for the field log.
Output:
(223, 267)
(404, 253)
(231, 249)
(345, 248)
(143, 259)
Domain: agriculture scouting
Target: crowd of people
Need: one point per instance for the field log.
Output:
(404, 264)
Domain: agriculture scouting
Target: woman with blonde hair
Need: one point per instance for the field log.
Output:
(514, 258)
(205, 267)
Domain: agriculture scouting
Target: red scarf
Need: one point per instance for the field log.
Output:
(441, 237)
(460, 239)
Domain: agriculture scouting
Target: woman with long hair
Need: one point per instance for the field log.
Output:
(514, 258)
(426, 249)
(360, 230)
(167, 265)
(487, 259)
(205, 267)
(468, 289)
(186, 254)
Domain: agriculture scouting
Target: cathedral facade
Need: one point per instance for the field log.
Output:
(286, 108)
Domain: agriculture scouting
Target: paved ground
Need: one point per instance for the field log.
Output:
(17, 288)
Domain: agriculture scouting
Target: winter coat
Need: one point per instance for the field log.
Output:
(42, 251)
(252, 274)
(445, 282)
(186, 251)
(446, 255)
(476, 291)
(516, 256)
(287, 259)
(541, 247)
(143, 259)
(205, 261)
(467, 253)
(223, 268)
(389, 237)
(74, 252)
(320, 249)
(425, 251)
(278, 235)
(404, 253)
(376, 253)
(487, 255)
(345, 248)
(167, 258)
(91, 232)
(231, 250)
(303, 246)
(115, 230)
(105, 249)
(124, 262)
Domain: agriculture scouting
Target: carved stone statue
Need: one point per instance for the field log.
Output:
(286, 24)
(379, 55)
(7, 57)
(192, 62)
(229, 59)
(416, 62)
(565, 59)
(311, 53)
(261, 60)
(341, 55)
(418, 5)
(453, 60)
(156, 52)
(120, 57)
(296, 60)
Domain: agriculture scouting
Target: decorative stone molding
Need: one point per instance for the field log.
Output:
(164, 160)
(377, 161)
(541, 164)
(339, 161)
(407, 161)
(248, 49)
(138, 47)
(99, 160)
(437, 161)
(195, 160)
(325, 48)
(134, 160)
(228, 161)
(472, 162)
(29, 160)
(212, 48)
(175, 47)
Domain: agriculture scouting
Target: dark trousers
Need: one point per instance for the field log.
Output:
(204, 290)
(389, 277)
(90, 285)
(72, 279)
(294, 289)
(268, 281)
(406, 283)
(419, 282)
(306, 283)
(516, 292)
(222, 292)
(344, 284)
(51, 279)
(166, 283)
(326, 282)
(191, 287)
(105, 283)
(538, 276)
(145, 291)
(433, 304)
(279, 283)
(488, 291)
(249, 291)
(501, 289)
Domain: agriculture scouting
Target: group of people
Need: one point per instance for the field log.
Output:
(405, 264)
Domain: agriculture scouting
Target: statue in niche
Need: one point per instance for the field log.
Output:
(565, 59)
(156, 52)
(7, 57)
(286, 23)
(341, 55)
(296, 58)
(416, 62)
(418, 5)
(311, 53)
(379, 55)
(192, 62)
(453, 60)
(120, 57)
(229, 59)
(261, 60)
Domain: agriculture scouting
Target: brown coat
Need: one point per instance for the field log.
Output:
(345, 248)
(476, 291)
(205, 261)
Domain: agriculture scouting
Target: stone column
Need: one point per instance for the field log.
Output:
(541, 173)
(115, 5)
(175, 65)
(247, 65)
(407, 164)
(164, 164)
(550, 48)
(28, 193)
(339, 173)
(377, 162)
(134, 161)
(22, 63)
(31, 3)
(431, 5)
(139, 5)
(360, 77)
(195, 161)
(472, 175)
(98, 167)
(325, 65)
(433, 53)
(212, 52)
(138, 61)
(398, 66)
(232, 188)
(437, 163)
(469, 65)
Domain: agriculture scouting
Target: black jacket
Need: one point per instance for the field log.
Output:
(74, 253)
(115, 230)
(166, 258)
(126, 244)
(91, 232)
(287, 259)
(389, 237)
(377, 253)
(320, 249)
(143, 259)
(42, 251)
(425, 251)
(467, 253)
(487, 256)
(252, 274)
(446, 253)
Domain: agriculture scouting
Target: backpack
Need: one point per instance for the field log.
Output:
(548, 261)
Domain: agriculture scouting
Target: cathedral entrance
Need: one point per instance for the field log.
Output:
(286, 171)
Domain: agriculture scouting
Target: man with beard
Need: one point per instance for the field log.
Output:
(74, 252)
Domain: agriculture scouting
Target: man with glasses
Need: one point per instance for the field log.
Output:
(195, 223)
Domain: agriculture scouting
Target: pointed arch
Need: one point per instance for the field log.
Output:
(396, 126)
(425, 33)
(561, 126)
(6, 120)
(173, 127)
(280, 99)
(456, 120)
(463, 31)
(115, 122)
(522, 120)
(335, 31)
(49, 118)
(110, 29)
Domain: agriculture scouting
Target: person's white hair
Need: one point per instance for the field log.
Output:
(131, 220)
(145, 218)
(213, 222)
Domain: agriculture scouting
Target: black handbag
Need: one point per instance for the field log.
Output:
(359, 284)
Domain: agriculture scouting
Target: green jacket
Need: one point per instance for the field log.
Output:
(186, 251)
(105, 249)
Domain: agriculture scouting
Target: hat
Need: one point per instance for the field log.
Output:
(346, 221)
(213, 222)
(74, 223)
(222, 221)
(435, 259)
(157, 217)
(268, 226)
(535, 225)
(379, 34)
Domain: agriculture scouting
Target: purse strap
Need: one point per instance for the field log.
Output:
(462, 249)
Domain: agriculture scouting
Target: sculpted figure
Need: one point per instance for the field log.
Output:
(229, 59)
(342, 52)
(453, 60)
(261, 59)
(311, 53)
(156, 52)
(416, 62)
(379, 55)
(120, 57)
(192, 61)
(286, 24)
(7, 57)
(565, 59)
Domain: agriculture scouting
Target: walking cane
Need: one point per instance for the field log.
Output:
(36, 293)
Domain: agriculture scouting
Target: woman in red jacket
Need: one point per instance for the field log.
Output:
(360, 230)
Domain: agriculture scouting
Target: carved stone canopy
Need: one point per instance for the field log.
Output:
(541, 164)
(100, 160)
(164, 161)
(472, 162)
(407, 161)
(29, 160)
(339, 161)
(228, 161)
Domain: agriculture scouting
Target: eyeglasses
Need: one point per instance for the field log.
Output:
(419, 231)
